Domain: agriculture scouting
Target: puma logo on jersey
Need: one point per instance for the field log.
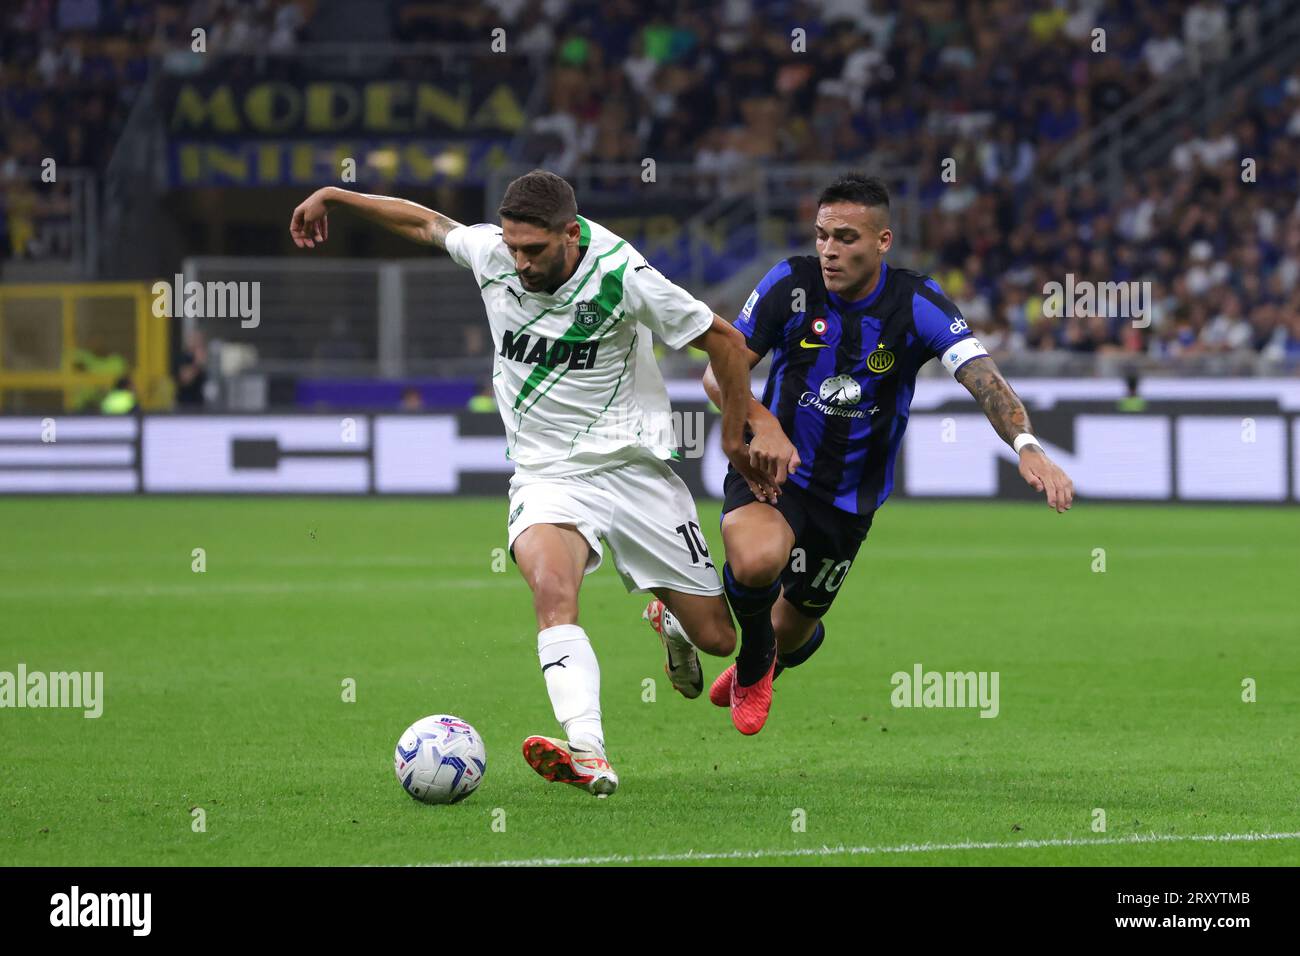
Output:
(539, 351)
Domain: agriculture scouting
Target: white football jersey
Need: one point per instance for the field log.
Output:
(574, 375)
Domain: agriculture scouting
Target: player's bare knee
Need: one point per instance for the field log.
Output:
(756, 567)
(555, 599)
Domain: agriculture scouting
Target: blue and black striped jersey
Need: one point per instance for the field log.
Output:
(843, 373)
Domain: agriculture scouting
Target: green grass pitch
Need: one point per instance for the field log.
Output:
(223, 691)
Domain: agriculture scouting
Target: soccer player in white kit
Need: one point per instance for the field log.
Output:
(571, 307)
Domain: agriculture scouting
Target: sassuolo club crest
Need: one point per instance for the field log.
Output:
(586, 314)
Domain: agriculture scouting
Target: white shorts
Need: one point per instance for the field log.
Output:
(642, 509)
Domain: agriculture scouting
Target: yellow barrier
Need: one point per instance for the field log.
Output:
(151, 340)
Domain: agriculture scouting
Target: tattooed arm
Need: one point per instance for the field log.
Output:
(1006, 413)
(407, 219)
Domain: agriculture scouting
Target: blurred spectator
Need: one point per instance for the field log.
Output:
(1007, 161)
(97, 358)
(485, 399)
(120, 399)
(1132, 401)
(192, 372)
(412, 400)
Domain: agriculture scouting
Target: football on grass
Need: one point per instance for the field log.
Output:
(440, 759)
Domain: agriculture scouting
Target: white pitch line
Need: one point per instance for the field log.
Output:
(328, 586)
(825, 851)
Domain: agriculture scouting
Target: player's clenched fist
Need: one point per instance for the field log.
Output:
(310, 224)
(770, 451)
(759, 482)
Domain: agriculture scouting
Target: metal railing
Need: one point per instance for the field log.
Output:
(53, 226)
(333, 317)
(51, 335)
(424, 319)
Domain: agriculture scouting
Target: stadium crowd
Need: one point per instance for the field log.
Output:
(998, 86)
(69, 72)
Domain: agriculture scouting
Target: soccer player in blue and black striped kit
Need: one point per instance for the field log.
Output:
(847, 336)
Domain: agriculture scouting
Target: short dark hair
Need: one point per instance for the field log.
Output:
(540, 198)
(856, 188)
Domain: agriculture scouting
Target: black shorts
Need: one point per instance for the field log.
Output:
(828, 536)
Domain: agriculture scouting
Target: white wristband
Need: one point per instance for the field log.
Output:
(1023, 440)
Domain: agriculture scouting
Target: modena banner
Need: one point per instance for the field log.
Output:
(487, 102)
(264, 132)
(308, 163)
(1247, 452)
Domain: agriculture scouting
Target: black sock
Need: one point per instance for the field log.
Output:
(753, 610)
(801, 654)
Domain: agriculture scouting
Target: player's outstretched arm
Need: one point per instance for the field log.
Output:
(764, 464)
(1006, 413)
(310, 223)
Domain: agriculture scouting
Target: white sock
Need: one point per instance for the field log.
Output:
(573, 681)
(673, 628)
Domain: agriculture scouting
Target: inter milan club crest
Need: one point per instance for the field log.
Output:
(586, 314)
(881, 360)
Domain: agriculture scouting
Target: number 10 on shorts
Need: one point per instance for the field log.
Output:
(836, 577)
(690, 533)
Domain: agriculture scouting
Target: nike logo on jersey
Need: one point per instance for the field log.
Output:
(540, 351)
(804, 343)
(559, 663)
